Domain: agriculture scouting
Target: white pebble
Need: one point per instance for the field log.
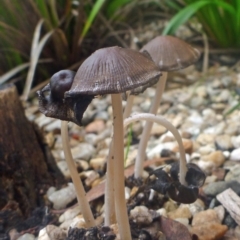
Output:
(235, 155)
(27, 236)
(141, 215)
(127, 193)
(69, 214)
(62, 197)
(43, 235)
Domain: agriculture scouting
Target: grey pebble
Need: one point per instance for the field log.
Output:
(214, 188)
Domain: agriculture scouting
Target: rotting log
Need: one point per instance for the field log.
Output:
(24, 169)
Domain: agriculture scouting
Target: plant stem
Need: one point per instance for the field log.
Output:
(81, 194)
(138, 170)
(172, 129)
(119, 187)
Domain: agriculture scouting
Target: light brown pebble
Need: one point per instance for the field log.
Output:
(181, 212)
(97, 163)
(96, 126)
(188, 146)
(209, 231)
(216, 157)
(205, 217)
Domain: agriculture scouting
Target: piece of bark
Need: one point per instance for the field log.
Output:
(231, 201)
(23, 170)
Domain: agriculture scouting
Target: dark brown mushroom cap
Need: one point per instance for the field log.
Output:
(61, 82)
(171, 53)
(113, 70)
(53, 104)
(170, 185)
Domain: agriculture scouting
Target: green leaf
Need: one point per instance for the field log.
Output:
(95, 10)
(185, 14)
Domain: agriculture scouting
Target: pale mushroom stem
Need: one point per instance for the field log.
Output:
(109, 198)
(119, 187)
(110, 215)
(80, 192)
(173, 130)
(138, 169)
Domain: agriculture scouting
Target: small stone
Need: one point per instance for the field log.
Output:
(196, 207)
(162, 212)
(127, 193)
(219, 173)
(141, 215)
(181, 212)
(206, 166)
(205, 139)
(62, 197)
(95, 127)
(207, 225)
(220, 211)
(205, 150)
(210, 179)
(231, 128)
(214, 188)
(82, 151)
(235, 155)
(97, 163)
(69, 214)
(55, 232)
(78, 222)
(235, 141)
(204, 217)
(90, 176)
(170, 206)
(217, 158)
(62, 165)
(188, 146)
(27, 236)
(233, 174)
(223, 142)
(209, 231)
(43, 235)
(157, 129)
(184, 221)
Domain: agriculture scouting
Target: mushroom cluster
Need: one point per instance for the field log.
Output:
(114, 71)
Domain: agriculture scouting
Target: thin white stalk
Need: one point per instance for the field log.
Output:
(138, 170)
(109, 207)
(110, 215)
(81, 194)
(119, 187)
(172, 129)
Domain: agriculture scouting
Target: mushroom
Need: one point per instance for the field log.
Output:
(113, 70)
(171, 185)
(170, 54)
(54, 105)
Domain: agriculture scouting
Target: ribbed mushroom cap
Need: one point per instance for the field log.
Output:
(113, 70)
(171, 53)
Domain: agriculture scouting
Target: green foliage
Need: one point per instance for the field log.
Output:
(220, 20)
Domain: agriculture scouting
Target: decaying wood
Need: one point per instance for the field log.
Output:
(23, 168)
(231, 201)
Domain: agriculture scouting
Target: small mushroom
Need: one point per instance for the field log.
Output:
(170, 54)
(114, 70)
(54, 105)
(171, 185)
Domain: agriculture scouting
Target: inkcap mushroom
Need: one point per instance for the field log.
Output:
(170, 184)
(114, 70)
(170, 54)
(53, 104)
